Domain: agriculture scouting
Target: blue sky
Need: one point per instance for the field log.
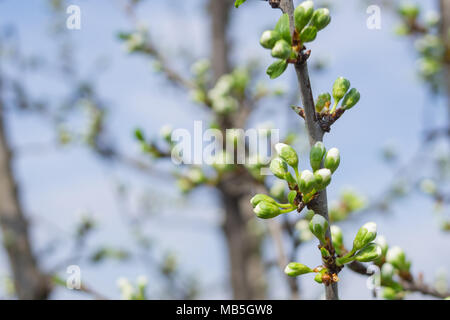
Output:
(58, 183)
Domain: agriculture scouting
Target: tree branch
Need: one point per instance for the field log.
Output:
(411, 285)
(315, 133)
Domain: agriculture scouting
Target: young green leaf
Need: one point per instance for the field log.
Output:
(277, 68)
(238, 3)
(282, 28)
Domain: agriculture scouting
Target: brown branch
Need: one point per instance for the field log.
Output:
(315, 134)
(411, 285)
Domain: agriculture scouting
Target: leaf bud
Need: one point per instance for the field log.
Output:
(287, 153)
(266, 210)
(295, 269)
(332, 159)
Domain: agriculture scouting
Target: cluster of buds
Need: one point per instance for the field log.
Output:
(348, 203)
(130, 292)
(287, 47)
(340, 92)
(224, 96)
(303, 185)
(395, 269)
(429, 45)
(326, 113)
(364, 248)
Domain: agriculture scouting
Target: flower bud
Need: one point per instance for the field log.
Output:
(396, 257)
(409, 11)
(279, 168)
(261, 197)
(316, 155)
(323, 101)
(308, 34)
(387, 272)
(350, 99)
(389, 293)
(306, 183)
(303, 14)
(269, 38)
(291, 196)
(321, 18)
(322, 178)
(381, 241)
(295, 269)
(332, 159)
(318, 226)
(337, 238)
(369, 253)
(340, 88)
(366, 234)
(225, 104)
(266, 210)
(318, 278)
(166, 132)
(287, 153)
(185, 185)
(196, 175)
(281, 50)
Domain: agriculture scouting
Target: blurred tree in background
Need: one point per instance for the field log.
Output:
(230, 93)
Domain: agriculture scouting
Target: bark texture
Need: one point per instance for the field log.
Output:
(445, 34)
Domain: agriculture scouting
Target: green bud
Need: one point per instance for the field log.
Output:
(369, 253)
(340, 88)
(332, 159)
(337, 238)
(318, 226)
(295, 269)
(381, 241)
(306, 183)
(350, 99)
(323, 101)
(321, 18)
(269, 38)
(139, 135)
(225, 104)
(316, 155)
(389, 293)
(291, 196)
(281, 49)
(366, 234)
(322, 178)
(279, 168)
(266, 210)
(409, 11)
(308, 34)
(387, 272)
(261, 197)
(196, 175)
(303, 14)
(324, 252)
(287, 153)
(185, 185)
(318, 278)
(396, 256)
